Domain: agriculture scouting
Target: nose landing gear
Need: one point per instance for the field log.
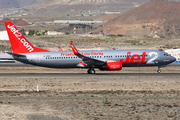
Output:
(159, 71)
(91, 71)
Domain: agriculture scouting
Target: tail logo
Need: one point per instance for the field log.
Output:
(18, 34)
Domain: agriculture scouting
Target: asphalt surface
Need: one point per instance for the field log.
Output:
(15, 65)
(28, 65)
(85, 74)
(77, 74)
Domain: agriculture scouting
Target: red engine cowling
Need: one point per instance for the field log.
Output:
(113, 66)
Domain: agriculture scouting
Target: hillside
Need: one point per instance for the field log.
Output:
(70, 2)
(161, 14)
(18, 22)
(16, 3)
(44, 3)
(50, 10)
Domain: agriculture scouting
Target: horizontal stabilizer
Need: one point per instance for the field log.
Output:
(17, 55)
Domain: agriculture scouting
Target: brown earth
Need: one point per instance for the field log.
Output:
(161, 14)
(92, 43)
(18, 22)
(90, 98)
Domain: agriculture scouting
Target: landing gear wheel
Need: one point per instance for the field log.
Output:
(159, 71)
(88, 71)
(91, 71)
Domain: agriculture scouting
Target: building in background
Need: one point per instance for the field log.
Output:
(54, 33)
(175, 53)
(4, 35)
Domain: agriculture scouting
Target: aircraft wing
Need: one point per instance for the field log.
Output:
(87, 60)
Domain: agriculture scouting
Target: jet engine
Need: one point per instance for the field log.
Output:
(112, 66)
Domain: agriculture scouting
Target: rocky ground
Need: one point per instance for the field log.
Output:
(90, 98)
(93, 42)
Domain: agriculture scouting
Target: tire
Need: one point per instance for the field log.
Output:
(91, 71)
(88, 72)
(159, 71)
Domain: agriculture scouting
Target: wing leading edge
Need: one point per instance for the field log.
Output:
(87, 61)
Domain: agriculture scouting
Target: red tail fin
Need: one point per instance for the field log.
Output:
(18, 42)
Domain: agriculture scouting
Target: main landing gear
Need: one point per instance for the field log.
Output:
(91, 71)
(159, 71)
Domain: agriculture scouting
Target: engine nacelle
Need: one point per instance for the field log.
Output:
(112, 66)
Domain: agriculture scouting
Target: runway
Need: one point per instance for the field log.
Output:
(15, 65)
(26, 70)
(87, 75)
(18, 64)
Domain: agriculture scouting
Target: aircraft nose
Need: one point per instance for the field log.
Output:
(173, 59)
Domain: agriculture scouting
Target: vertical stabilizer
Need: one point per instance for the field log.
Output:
(18, 42)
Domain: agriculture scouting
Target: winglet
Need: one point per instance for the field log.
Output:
(74, 49)
(60, 48)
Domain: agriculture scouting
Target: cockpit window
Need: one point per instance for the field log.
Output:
(167, 54)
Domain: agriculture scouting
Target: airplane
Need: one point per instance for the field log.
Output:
(107, 60)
